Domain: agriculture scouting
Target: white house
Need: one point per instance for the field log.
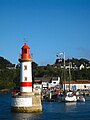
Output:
(77, 85)
(81, 66)
(11, 66)
(37, 86)
(54, 82)
(46, 83)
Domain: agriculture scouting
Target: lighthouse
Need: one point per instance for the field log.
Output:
(27, 99)
(25, 70)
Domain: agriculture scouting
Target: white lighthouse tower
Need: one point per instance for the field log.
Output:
(25, 70)
(26, 100)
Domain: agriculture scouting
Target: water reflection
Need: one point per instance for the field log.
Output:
(26, 116)
(70, 103)
(70, 106)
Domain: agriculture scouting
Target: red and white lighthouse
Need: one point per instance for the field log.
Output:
(25, 70)
(27, 100)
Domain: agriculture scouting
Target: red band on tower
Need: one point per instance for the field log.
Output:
(26, 84)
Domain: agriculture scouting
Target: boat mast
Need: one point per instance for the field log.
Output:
(64, 71)
(69, 74)
(64, 67)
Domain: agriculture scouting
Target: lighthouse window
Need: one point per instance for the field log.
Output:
(25, 78)
(25, 50)
(25, 67)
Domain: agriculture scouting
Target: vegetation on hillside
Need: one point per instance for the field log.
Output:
(9, 78)
(4, 63)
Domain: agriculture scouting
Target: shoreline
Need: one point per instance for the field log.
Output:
(3, 91)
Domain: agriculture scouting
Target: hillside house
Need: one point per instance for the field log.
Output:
(11, 66)
(54, 81)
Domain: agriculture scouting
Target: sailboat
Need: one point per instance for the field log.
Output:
(70, 97)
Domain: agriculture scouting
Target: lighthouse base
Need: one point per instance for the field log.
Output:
(26, 103)
(32, 109)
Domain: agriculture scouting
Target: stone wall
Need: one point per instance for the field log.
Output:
(36, 103)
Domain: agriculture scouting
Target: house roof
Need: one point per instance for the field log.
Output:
(42, 79)
(78, 82)
(37, 81)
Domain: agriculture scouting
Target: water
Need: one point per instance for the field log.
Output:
(51, 111)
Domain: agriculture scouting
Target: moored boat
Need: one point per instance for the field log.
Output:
(70, 97)
(80, 99)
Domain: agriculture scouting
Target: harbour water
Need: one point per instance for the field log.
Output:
(51, 111)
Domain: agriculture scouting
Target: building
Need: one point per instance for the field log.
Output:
(77, 85)
(11, 66)
(46, 83)
(54, 82)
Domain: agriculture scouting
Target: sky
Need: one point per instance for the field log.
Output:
(47, 26)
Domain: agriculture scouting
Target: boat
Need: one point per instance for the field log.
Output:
(80, 98)
(61, 97)
(70, 97)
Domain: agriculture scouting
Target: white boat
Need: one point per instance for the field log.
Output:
(70, 97)
(80, 99)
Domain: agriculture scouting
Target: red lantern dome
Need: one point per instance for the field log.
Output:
(25, 52)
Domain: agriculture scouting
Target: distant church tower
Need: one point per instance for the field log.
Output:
(27, 100)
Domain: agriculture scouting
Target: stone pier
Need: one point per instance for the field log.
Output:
(27, 103)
